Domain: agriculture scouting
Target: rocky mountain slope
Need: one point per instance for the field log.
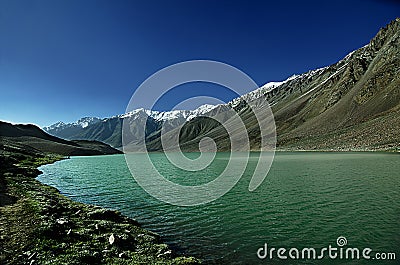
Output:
(353, 104)
(30, 138)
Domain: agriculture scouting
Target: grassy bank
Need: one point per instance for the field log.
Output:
(40, 226)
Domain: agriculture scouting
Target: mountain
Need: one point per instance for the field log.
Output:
(31, 139)
(108, 130)
(353, 104)
(81, 123)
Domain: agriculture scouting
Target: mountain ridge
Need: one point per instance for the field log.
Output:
(319, 109)
(30, 138)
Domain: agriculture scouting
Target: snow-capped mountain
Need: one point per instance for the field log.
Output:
(56, 126)
(85, 122)
(156, 115)
(323, 107)
(255, 94)
(107, 129)
(171, 115)
(82, 123)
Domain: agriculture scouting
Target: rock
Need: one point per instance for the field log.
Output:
(104, 214)
(147, 238)
(111, 239)
(62, 221)
(165, 254)
(32, 255)
(8, 174)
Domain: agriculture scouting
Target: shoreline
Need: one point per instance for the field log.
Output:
(38, 225)
(339, 151)
(386, 151)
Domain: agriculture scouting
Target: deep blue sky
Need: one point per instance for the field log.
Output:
(62, 60)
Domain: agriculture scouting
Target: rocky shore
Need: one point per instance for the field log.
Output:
(40, 226)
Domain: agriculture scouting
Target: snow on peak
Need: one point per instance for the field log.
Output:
(55, 126)
(83, 123)
(170, 115)
(314, 72)
(86, 121)
(60, 123)
(349, 55)
(268, 87)
(131, 113)
(203, 109)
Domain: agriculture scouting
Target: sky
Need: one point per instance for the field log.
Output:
(63, 60)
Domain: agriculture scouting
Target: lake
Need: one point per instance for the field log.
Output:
(308, 199)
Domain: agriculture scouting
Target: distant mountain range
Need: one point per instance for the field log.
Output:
(108, 130)
(353, 104)
(31, 139)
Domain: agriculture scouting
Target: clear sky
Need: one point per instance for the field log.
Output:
(63, 60)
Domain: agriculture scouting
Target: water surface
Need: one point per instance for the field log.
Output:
(307, 200)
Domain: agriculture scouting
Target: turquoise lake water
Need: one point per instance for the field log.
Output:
(308, 199)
